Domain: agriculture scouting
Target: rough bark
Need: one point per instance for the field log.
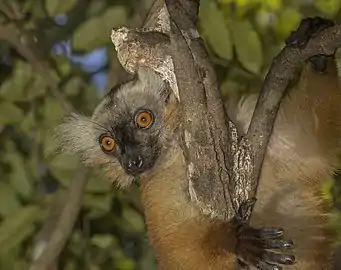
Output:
(223, 168)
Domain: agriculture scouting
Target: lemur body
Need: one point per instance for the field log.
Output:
(301, 155)
(133, 133)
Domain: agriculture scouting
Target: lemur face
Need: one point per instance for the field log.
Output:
(128, 130)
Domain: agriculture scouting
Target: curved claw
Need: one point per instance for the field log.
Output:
(279, 244)
(266, 259)
(256, 245)
(262, 233)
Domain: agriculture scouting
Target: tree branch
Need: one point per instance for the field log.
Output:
(66, 221)
(206, 136)
(281, 72)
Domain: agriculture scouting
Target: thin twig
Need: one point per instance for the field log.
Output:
(25, 44)
(66, 221)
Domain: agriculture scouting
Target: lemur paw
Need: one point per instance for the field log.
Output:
(307, 29)
(263, 248)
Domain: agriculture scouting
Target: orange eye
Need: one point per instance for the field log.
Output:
(144, 119)
(107, 143)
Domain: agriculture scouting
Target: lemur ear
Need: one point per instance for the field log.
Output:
(77, 135)
(150, 79)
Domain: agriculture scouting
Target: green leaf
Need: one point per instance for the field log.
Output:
(17, 227)
(103, 241)
(28, 123)
(96, 31)
(11, 92)
(9, 202)
(134, 219)
(14, 88)
(90, 97)
(37, 88)
(98, 182)
(229, 87)
(50, 143)
(98, 202)
(63, 167)
(73, 86)
(19, 176)
(95, 7)
(70, 265)
(148, 260)
(214, 29)
(13, 259)
(287, 21)
(54, 7)
(272, 5)
(10, 113)
(121, 260)
(64, 65)
(247, 45)
(328, 7)
(52, 112)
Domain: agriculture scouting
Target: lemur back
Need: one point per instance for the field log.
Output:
(302, 153)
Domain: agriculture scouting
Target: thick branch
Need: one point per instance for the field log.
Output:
(206, 137)
(25, 45)
(209, 136)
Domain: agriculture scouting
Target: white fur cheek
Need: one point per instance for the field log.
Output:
(117, 175)
(77, 135)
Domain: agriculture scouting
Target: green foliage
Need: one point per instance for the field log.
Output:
(58, 7)
(242, 36)
(248, 46)
(215, 30)
(17, 227)
(87, 36)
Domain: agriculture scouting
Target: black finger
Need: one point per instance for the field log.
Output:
(241, 264)
(262, 233)
(268, 266)
(269, 243)
(251, 258)
(273, 257)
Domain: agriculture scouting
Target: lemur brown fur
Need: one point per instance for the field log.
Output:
(301, 154)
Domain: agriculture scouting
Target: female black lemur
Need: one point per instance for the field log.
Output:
(133, 135)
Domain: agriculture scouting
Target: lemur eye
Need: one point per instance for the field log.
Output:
(144, 118)
(107, 143)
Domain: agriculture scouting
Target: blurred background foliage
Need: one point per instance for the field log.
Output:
(243, 36)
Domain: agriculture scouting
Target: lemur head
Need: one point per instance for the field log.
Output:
(130, 129)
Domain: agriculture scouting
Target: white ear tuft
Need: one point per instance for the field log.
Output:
(150, 79)
(77, 135)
